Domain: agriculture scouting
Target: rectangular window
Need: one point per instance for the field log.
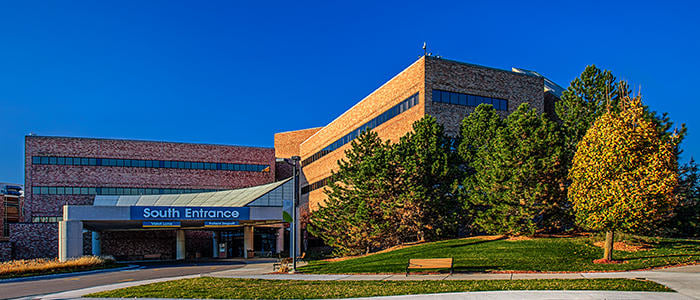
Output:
(44, 160)
(60, 190)
(93, 161)
(181, 164)
(463, 99)
(52, 160)
(61, 161)
(149, 164)
(68, 190)
(454, 98)
(52, 190)
(436, 95)
(84, 161)
(44, 190)
(36, 160)
(166, 164)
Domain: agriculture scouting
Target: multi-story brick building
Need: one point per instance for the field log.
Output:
(73, 171)
(62, 172)
(445, 89)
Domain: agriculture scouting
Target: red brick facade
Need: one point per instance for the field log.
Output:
(40, 239)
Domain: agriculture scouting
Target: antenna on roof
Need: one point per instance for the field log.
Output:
(425, 49)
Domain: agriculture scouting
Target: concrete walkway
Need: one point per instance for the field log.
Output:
(685, 280)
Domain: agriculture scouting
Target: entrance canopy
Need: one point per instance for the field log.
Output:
(266, 195)
(254, 206)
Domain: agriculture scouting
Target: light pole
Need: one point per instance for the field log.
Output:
(295, 199)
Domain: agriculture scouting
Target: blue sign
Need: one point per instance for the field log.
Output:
(189, 213)
(220, 223)
(161, 224)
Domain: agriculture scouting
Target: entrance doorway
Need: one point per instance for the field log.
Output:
(233, 243)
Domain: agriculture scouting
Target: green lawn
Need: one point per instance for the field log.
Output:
(227, 288)
(541, 254)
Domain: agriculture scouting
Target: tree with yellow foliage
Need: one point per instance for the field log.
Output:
(624, 173)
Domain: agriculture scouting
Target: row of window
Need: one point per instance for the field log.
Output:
(141, 163)
(46, 219)
(315, 186)
(468, 100)
(67, 190)
(387, 115)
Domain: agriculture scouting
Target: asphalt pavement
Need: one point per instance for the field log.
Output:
(147, 271)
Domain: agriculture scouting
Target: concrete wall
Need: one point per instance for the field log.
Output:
(466, 78)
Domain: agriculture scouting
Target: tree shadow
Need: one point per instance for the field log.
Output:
(472, 243)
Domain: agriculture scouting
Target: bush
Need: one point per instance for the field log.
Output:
(25, 267)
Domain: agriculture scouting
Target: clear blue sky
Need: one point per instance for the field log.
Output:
(236, 72)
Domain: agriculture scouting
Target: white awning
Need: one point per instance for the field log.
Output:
(266, 195)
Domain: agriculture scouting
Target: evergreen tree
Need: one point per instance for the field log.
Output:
(356, 217)
(685, 221)
(624, 173)
(429, 206)
(518, 181)
(583, 102)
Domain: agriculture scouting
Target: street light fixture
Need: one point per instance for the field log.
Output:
(294, 161)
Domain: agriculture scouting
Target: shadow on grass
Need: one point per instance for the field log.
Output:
(476, 242)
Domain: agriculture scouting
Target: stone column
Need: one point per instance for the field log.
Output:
(70, 239)
(248, 235)
(96, 243)
(180, 244)
(280, 240)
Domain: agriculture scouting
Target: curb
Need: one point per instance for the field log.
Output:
(61, 275)
(84, 291)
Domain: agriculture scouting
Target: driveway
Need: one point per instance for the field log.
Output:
(146, 272)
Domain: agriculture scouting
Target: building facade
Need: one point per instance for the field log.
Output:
(63, 171)
(445, 89)
(81, 182)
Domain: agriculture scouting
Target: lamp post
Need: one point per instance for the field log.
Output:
(295, 199)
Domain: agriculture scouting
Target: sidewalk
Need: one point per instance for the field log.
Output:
(685, 280)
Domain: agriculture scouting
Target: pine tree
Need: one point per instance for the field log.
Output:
(518, 181)
(356, 217)
(583, 102)
(624, 173)
(685, 220)
(429, 176)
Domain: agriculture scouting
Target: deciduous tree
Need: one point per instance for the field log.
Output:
(624, 172)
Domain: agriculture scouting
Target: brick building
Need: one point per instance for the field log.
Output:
(73, 171)
(80, 175)
(445, 89)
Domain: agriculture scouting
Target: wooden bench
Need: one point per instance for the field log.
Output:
(430, 263)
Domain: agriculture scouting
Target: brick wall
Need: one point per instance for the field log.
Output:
(34, 240)
(133, 245)
(5, 250)
(287, 143)
(58, 175)
(466, 78)
(402, 86)
(40, 240)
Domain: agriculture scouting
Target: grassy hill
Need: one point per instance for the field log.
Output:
(540, 254)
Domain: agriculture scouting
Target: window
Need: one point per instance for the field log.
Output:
(139, 163)
(468, 99)
(397, 109)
